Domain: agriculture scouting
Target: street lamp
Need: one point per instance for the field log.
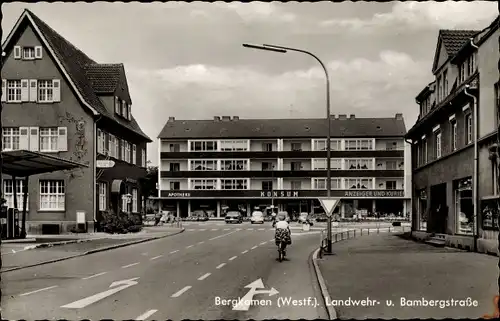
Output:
(282, 49)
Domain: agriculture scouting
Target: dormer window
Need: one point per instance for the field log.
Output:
(28, 53)
(117, 105)
(124, 109)
(129, 112)
(471, 64)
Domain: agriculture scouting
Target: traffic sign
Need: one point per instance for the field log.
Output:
(104, 163)
(329, 204)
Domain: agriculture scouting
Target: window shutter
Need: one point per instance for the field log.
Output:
(25, 90)
(56, 96)
(34, 139)
(17, 52)
(4, 89)
(33, 91)
(62, 139)
(24, 139)
(38, 52)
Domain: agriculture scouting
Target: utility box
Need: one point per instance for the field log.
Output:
(81, 222)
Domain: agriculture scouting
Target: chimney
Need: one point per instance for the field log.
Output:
(217, 118)
(226, 118)
(352, 116)
(171, 119)
(236, 117)
(399, 116)
(342, 117)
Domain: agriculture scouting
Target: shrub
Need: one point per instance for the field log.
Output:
(121, 223)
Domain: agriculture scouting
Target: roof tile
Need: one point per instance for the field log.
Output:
(454, 40)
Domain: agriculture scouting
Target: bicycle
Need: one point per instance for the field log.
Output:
(281, 250)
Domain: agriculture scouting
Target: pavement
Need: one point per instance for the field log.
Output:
(197, 274)
(387, 268)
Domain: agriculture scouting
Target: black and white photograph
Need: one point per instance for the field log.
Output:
(250, 160)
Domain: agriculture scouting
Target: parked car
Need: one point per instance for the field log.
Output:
(233, 217)
(257, 217)
(199, 215)
(321, 218)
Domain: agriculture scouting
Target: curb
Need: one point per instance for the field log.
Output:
(92, 251)
(332, 314)
(52, 244)
(27, 240)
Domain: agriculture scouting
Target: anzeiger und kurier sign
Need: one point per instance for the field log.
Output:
(281, 194)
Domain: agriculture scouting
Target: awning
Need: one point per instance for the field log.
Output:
(116, 186)
(23, 163)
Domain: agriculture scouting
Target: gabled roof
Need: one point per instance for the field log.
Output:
(453, 41)
(74, 64)
(283, 128)
(425, 92)
(104, 78)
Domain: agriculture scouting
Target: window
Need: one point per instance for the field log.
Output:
(320, 164)
(234, 183)
(358, 144)
(454, 135)
(175, 167)
(103, 193)
(462, 72)
(233, 145)
(296, 147)
(320, 183)
(296, 166)
(438, 144)
(390, 185)
(391, 146)
(267, 185)
(424, 151)
(175, 186)
(471, 64)
(117, 105)
(204, 165)
(295, 185)
(468, 128)
(14, 91)
(143, 160)
(45, 91)
(359, 183)
(203, 184)
(135, 207)
(391, 165)
(267, 166)
(48, 139)
(11, 138)
(124, 204)
(204, 146)
(267, 147)
(113, 146)
(127, 152)
(124, 109)
(175, 148)
(8, 189)
(233, 164)
(445, 83)
(28, 53)
(100, 141)
(497, 103)
(134, 154)
(439, 89)
(52, 195)
(320, 144)
(361, 164)
(464, 207)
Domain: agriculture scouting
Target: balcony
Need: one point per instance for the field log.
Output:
(284, 173)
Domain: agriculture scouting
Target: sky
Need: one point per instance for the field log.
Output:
(186, 60)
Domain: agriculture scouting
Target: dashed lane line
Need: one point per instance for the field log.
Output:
(129, 265)
(93, 276)
(146, 315)
(181, 291)
(156, 257)
(254, 247)
(249, 229)
(214, 238)
(174, 251)
(244, 252)
(261, 229)
(187, 247)
(220, 265)
(39, 290)
(204, 276)
(201, 242)
(262, 243)
(215, 229)
(226, 229)
(232, 258)
(203, 229)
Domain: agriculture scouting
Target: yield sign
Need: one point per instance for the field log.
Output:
(329, 204)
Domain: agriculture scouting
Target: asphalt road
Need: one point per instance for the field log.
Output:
(186, 276)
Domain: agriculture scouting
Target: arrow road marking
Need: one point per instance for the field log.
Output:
(116, 286)
(146, 315)
(181, 291)
(39, 290)
(245, 302)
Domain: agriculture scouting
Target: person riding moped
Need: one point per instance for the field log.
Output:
(282, 232)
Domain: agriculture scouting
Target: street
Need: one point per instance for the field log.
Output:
(186, 276)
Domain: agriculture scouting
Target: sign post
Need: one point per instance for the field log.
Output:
(329, 204)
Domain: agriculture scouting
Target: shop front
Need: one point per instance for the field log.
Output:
(464, 207)
(421, 210)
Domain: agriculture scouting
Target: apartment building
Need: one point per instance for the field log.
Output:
(57, 100)
(466, 72)
(244, 164)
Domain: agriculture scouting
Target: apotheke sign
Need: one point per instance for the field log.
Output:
(281, 194)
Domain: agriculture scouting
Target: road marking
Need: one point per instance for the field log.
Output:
(261, 229)
(126, 266)
(116, 286)
(174, 251)
(181, 291)
(203, 277)
(145, 253)
(215, 229)
(93, 276)
(39, 290)
(244, 252)
(271, 240)
(220, 265)
(262, 243)
(226, 229)
(201, 242)
(203, 229)
(156, 257)
(214, 238)
(190, 229)
(245, 302)
(253, 248)
(249, 229)
(232, 258)
(187, 247)
(145, 315)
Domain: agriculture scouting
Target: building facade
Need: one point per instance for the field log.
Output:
(57, 100)
(244, 164)
(443, 139)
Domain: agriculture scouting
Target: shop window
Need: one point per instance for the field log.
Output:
(464, 207)
(489, 214)
(422, 210)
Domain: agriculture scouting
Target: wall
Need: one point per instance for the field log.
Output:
(256, 145)
(68, 113)
(256, 165)
(165, 145)
(306, 144)
(305, 185)
(164, 183)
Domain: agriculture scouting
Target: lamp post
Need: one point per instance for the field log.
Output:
(282, 49)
